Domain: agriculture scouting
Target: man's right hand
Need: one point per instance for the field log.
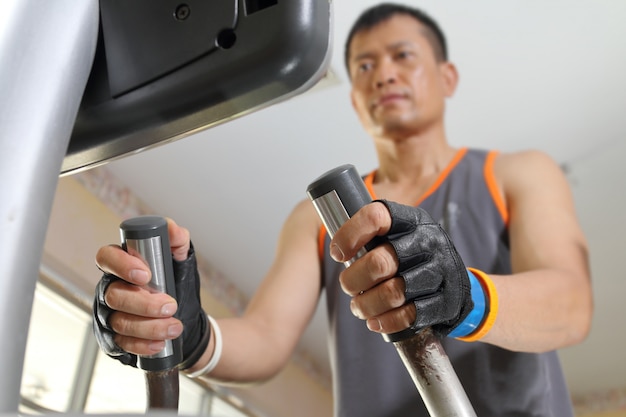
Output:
(130, 319)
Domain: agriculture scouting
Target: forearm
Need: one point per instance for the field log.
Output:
(257, 345)
(541, 310)
(248, 355)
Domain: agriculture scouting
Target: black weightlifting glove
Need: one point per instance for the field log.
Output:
(435, 277)
(104, 334)
(196, 329)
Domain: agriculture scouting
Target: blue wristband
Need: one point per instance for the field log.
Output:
(476, 316)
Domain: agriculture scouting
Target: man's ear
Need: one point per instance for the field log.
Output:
(450, 78)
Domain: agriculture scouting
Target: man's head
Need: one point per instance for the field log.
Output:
(377, 14)
(400, 75)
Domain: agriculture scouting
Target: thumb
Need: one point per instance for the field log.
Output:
(179, 240)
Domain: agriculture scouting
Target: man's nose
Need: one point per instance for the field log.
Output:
(385, 74)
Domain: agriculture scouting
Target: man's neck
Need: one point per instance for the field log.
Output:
(413, 157)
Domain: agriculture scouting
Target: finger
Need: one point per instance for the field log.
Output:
(139, 301)
(142, 328)
(423, 280)
(139, 346)
(393, 321)
(114, 260)
(384, 297)
(366, 272)
(179, 240)
(432, 310)
(143, 337)
(370, 221)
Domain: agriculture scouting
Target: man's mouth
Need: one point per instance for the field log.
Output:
(388, 99)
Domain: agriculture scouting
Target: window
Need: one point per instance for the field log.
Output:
(56, 336)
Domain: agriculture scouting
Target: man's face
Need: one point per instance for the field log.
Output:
(398, 87)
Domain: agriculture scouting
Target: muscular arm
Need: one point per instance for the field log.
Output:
(546, 303)
(257, 345)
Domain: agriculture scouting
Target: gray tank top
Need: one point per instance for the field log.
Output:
(369, 379)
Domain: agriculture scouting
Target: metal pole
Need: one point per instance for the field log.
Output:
(433, 376)
(46, 50)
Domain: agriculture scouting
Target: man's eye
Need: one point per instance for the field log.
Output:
(402, 54)
(365, 66)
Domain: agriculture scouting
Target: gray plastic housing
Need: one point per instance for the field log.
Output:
(161, 72)
(347, 183)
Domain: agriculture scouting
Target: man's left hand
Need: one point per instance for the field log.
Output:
(415, 279)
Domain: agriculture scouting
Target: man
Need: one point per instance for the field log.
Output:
(510, 216)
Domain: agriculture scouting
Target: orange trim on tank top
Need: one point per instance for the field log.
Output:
(492, 186)
(321, 238)
(369, 180)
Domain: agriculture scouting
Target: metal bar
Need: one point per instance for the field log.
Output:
(84, 373)
(433, 376)
(46, 50)
(162, 390)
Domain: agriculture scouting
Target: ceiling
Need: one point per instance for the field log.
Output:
(533, 74)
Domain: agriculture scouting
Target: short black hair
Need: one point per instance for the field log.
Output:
(378, 14)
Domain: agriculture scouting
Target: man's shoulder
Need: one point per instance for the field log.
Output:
(529, 159)
(304, 213)
(524, 167)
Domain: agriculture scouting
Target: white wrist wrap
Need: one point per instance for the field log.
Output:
(217, 351)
